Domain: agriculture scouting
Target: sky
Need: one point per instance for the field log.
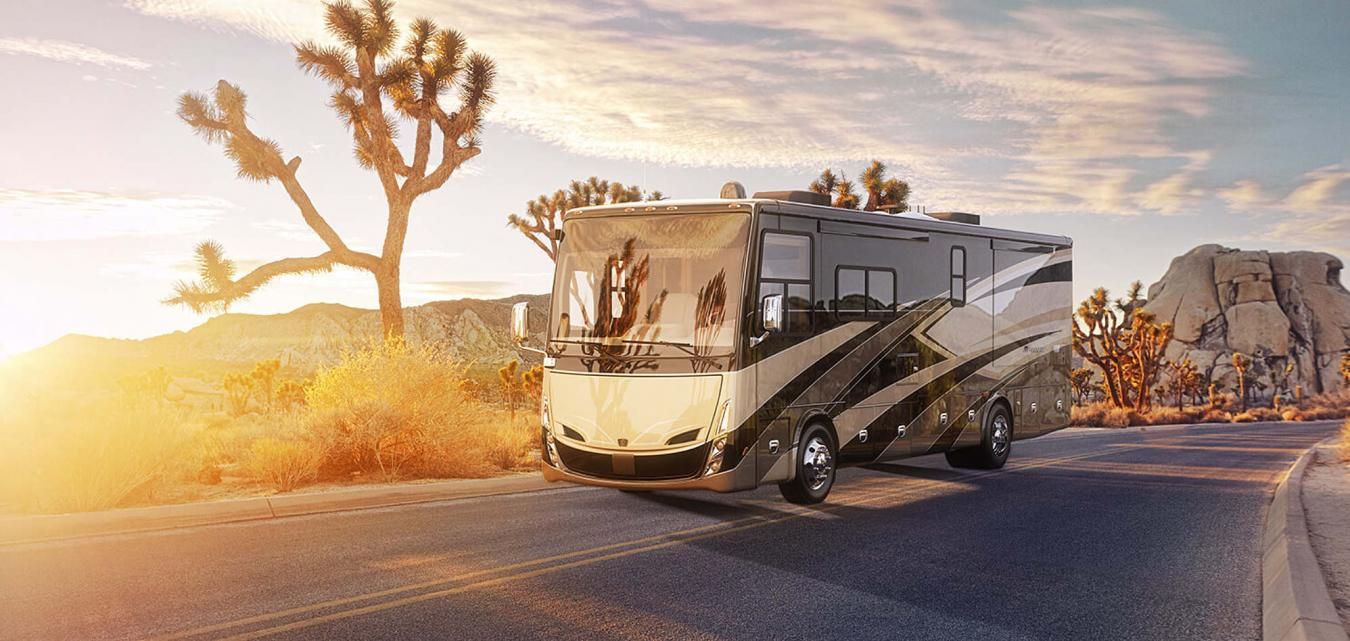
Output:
(1139, 129)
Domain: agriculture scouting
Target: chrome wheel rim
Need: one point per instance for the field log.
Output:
(817, 463)
(1000, 436)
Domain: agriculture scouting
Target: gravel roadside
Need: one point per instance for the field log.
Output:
(1326, 500)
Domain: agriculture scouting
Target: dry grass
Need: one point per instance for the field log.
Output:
(90, 454)
(1329, 406)
(383, 413)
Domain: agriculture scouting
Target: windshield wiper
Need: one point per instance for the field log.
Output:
(688, 348)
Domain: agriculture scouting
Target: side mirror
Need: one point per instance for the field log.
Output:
(772, 314)
(520, 322)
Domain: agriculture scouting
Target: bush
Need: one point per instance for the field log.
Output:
(283, 464)
(1216, 416)
(1257, 415)
(1091, 415)
(81, 454)
(401, 411)
(1123, 417)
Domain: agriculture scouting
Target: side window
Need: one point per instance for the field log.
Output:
(850, 287)
(861, 290)
(881, 291)
(785, 268)
(958, 292)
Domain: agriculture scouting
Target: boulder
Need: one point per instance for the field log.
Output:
(1258, 328)
(1186, 295)
(1273, 307)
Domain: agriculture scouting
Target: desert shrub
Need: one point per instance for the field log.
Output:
(1091, 415)
(1123, 417)
(1216, 416)
(87, 453)
(283, 464)
(1257, 415)
(1329, 405)
(1169, 416)
(1292, 414)
(402, 411)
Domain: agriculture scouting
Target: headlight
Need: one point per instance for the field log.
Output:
(544, 418)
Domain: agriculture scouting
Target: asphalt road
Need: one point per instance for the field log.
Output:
(1084, 535)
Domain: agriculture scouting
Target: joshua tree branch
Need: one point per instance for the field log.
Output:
(200, 297)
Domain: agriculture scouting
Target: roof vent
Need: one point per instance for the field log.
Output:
(733, 190)
(955, 217)
(796, 196)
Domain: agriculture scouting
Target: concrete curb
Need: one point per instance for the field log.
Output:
(1295, 603)
(57, 527)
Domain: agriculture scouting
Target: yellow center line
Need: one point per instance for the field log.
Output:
(646, 544)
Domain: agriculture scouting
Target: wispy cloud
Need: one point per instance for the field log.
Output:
(1320, 190)
(1073, 99)
(36, 215)
(460, 288)
(65, 51)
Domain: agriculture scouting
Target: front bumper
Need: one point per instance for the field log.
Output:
(732, 480)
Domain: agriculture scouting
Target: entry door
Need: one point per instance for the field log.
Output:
(1013, 311)
(786, 264)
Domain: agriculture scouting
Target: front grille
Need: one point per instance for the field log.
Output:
(650, 467)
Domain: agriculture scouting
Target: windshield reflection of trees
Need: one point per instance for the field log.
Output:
(624, 337)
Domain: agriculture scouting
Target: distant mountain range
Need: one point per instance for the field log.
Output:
(474, 332)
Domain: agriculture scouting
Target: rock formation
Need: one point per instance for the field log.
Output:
(1278, 308)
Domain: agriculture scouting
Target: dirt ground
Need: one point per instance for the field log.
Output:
(1326, 499)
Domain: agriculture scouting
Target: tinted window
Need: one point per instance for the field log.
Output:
(958, 291)
(859, 290)
(880, 290)
(851, 290)
(786, 257)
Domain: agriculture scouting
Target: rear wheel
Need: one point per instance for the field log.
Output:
(816, 457)
(995, 443)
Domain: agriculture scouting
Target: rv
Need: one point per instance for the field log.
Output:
(723, 344)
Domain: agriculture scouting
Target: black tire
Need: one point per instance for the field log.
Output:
(995, 443)
(812, 482)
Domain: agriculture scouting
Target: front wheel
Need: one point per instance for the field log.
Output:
(816, 457)
(995, 443)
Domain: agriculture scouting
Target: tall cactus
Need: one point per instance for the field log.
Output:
(1240, 364)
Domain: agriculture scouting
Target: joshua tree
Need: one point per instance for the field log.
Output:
(368, 72)
(510, 385)
(1183, 380)
(263, 377)
(1081, 380)
(238, 391)
(844, 196)
(1240, 364)
(884, 194)
(1125, 342)
(825, 184)
(543, 215)
(290, 394)
(532, 384)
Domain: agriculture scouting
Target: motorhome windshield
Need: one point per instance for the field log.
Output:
(661, 285)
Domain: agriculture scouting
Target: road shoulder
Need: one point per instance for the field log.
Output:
(1326, 497)
(1295, 601)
